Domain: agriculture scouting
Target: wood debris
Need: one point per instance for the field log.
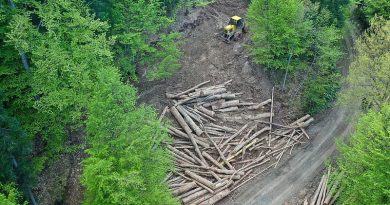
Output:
(327, 191)
(213, 159)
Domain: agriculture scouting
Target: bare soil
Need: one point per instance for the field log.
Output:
(207, 58)
(59, 183)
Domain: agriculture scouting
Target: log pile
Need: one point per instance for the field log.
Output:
(212, 159)
(327, 191)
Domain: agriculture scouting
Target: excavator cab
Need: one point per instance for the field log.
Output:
(236, 21)
(234, 30)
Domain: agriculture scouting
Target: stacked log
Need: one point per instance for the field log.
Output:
(212, 159)
(328, 190)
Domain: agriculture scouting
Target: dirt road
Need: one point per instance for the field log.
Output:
(278, 186)
(206, 58)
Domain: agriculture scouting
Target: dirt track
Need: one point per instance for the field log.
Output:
(206, 58)
(278, 186)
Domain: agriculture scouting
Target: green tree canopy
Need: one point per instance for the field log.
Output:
(372, 8)
(365, 160)
(74, 85)
(139, 29)
(369, 73)
(9, 195)
(15, 151)
(324, 37)
(278, 33)
(126, 163)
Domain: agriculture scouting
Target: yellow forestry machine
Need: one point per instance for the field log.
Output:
(234, 30)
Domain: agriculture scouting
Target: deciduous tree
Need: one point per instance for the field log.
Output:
(365, 160)
(369, 73)
(278, 31)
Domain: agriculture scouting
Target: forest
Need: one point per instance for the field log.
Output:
(74, 76)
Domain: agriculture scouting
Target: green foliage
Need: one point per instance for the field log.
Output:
(170, 58)
(320, 92)
(73, 85)
(278, 32)
(137, 27)
(365, 160)
(15, 147)
(372, 8)
(126, 163)
(9, 195)
(297, 35)
(323, 84)
(64, 60)
(369, 73)
(338, 9)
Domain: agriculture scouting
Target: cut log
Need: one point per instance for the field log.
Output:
(190, 192)
(194, 196)
(233, 136)
(300, 120)
(207, 92)
(176, 151)
(240, 146)
(196, 158)
(226, 96)
(260, 105)
(184, 188)
(200, 179)
(306, 123)
(182, 122)
(228, 109)
(220, 187)
(241, 150)
(336, 196)
(190, 122)
(163, 113)
(322, 191)
(204, 115)
(227, 129)
(209, 104)
(325, 190)
(179, 133)
(334, 187)
(207, 156)
(231, 103)
(259, 116)
(315, 196)
(193, 115)
(205, 111)
(226, 171)
(270, 119)
(219, 152)
(217, 197)
(189, 90)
